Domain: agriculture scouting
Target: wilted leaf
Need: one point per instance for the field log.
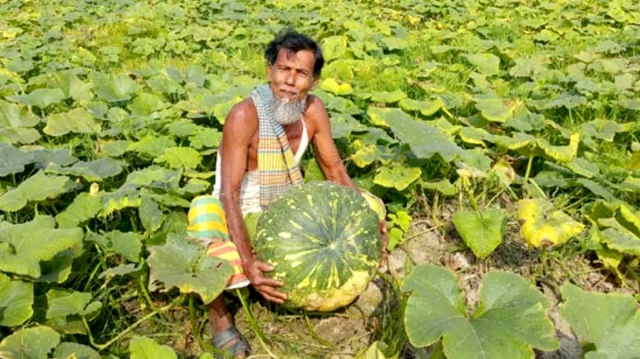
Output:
(397, 176)
(518, 141)
(561, 153)
(481, 230)
(474, 135)
(36, 188)
(16, 299)
(436, 309)
(542, 226)
(185, 265)
(365, 156)
(31, 343)
(611, 322)
(145, 348)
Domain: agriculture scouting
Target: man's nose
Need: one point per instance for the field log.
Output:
(290, 79)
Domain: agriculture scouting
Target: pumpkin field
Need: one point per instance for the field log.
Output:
(502, 136)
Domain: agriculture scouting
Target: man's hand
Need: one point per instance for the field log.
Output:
(385, 242)
(254, 270)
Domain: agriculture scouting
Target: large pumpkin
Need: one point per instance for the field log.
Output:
(323, 241)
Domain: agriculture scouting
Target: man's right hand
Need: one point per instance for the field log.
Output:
(254, 270)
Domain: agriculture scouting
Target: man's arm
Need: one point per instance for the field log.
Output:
(236, 137)
(325, 148)
(239, 129)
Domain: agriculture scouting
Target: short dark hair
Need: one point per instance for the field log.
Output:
(293, 42)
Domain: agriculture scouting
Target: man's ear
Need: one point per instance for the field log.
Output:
(314, 83)
(269, 68)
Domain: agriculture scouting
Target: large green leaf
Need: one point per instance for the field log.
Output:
(127, 244)
(185, 265)
(152, 146)
(481, 230)
(561, 153)
(83, 208)
(388, 97)
(380, 116)
(64, 302)
(13, 160)
(180, 157)
(16, 299)
(28, 244)
(16, 122)
(94, 171)
(542, 226)
(508, 322)
(146, 104)
(423, 139)
(41, 97)
(495, 109)
(426, 108)
(611, 322)
(30, 343)
(150, 214)
(487, 64)
(36, 188)
(114, 87)
(621, 240)
(77, 120)
(145, 348)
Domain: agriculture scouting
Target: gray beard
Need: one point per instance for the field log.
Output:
(287, 112)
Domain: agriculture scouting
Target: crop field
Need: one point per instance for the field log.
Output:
(502, 136)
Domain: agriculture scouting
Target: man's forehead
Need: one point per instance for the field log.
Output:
(301, 59)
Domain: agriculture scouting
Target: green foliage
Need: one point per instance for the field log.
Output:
(509, 320)
(481, 230)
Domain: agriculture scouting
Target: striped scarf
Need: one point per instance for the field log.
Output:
(276, 165)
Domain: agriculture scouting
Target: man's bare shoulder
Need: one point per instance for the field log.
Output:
(243, 113)
(315, 109)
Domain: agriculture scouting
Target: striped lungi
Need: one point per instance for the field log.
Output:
(208, 226)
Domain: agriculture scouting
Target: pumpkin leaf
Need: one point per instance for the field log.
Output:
(145, 348)
(481, 230)
(542, 226)
(94, 171)
(487, 64)
(150, 214)
(41, 98)
(443, 186)
(13, 160)
(381, 116)
(333, 86)
(16, 299)
(63, 302)
(30, 343)
(388, 97)
(67, 350)
(561, 153)
(426, 108)
(36, 188)
(16, 122)
(424, 140)
(28, 244)
(495, 109)
(114, 87)
(77, 120)
(397, 176)
(621, 240)
(611, 322)
(180, 157)
(508, 322)
(185, 265)
(83, 208)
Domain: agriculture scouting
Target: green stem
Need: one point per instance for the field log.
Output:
(195, 328)
(526, 175)
(101, 347)
(315, 335)
(253, 324)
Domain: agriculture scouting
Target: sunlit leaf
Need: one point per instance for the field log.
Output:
(426, 108)
(83, 208)
(487, 64)
(16, 299)
(388, 97)
(561, 153)
(41, 98)
(436, 310)
(30, 343)
(77, 120)
(398, 176)
(114, 87)
(180, 157)
(185, 265)
(145, 348)
(152, 146)
(443, 186)
(333, 86)
(69, 350)
(495, 109)
(481, 230)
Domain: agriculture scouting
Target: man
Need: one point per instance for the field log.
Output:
(245, 182)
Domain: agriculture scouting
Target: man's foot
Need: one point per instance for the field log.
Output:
(232, 341)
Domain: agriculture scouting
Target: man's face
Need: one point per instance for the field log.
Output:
(291, 76)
